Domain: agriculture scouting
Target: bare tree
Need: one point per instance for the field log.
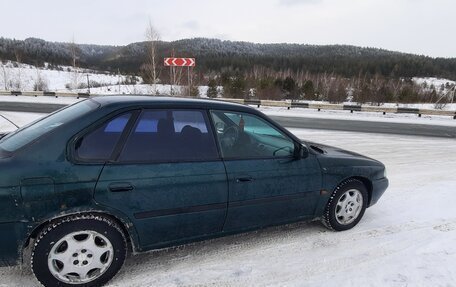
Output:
(73, 52)
(152, 37)
(41, 83)
(74, 75)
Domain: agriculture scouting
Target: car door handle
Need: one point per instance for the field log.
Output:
(244, 179)
(120, 187)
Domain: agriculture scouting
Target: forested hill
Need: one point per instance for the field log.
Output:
(215, 56)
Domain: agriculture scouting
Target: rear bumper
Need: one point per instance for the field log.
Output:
(378, 188)
(12, 236)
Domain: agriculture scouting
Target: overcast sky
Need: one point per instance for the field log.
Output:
(415, 26)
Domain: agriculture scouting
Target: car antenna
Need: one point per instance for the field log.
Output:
(9, 121)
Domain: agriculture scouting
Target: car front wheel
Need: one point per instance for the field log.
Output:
(346, 206)
(84, 250)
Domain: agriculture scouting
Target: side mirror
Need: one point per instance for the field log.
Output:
(301, 152)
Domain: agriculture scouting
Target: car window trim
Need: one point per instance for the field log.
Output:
(125, 135)
(145, 162)
(214, 133)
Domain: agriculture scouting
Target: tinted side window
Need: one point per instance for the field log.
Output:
(170, 136)
(243, 135)
(100, 143)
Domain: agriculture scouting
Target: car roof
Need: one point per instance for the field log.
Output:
(143, 100)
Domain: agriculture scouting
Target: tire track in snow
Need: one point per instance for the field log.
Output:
(300, 239)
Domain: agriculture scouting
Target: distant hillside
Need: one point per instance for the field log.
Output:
(215, 56)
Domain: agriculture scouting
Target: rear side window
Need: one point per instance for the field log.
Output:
(100, 143)
(170, 136)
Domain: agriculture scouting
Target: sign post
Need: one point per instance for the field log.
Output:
(181, 62)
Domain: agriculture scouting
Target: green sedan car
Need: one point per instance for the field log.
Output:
(109, 175)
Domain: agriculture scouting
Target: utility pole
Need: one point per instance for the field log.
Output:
(88, 84)
(171, 72)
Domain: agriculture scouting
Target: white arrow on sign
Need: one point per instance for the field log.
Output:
(180, 62)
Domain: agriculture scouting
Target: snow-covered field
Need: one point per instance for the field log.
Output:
(437, 83)
(23, 77)
(407, 239)
(361, 116)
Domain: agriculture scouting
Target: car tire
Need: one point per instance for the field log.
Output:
(346, 205)
(81, 250)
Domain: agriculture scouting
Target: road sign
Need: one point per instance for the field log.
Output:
(180, 62)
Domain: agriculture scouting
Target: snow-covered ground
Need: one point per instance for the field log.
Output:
(361, 116)
(23, 77)
(437, 83)
(19, 119)
(407, 239)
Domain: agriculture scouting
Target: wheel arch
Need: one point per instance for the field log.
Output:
(328, 218)
(126, 226)
(367, 183)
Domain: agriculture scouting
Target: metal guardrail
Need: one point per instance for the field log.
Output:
(270, 103)
(351, 108)
(41, 93)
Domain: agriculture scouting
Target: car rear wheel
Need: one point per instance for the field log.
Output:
(346, 206)
(84, 250)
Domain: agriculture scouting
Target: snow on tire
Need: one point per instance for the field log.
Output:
(80, 250)
(346, 205)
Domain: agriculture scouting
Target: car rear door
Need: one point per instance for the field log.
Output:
(167, 177)
(267, 184)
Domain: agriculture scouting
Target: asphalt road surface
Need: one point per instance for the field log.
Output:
(367, 126)
(293, 122)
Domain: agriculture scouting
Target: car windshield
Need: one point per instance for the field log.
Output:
(33, 131)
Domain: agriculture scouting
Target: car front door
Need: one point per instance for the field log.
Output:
(267, 183)
(167, 177)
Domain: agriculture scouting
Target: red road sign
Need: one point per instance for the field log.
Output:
(180, 62)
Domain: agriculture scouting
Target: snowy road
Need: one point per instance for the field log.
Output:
(407, 239)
